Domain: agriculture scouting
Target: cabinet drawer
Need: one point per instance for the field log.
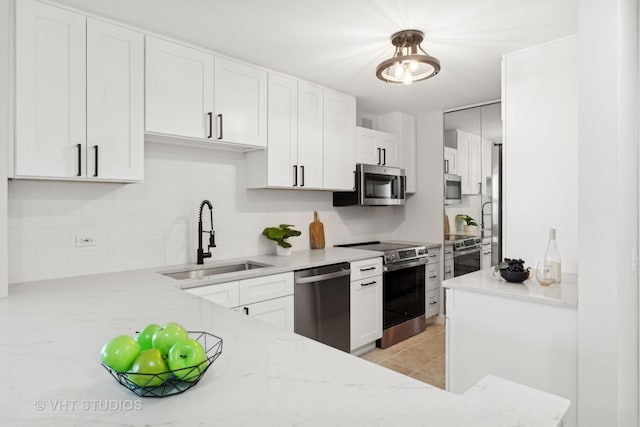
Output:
(448, 251)
(448, 268)
(432, 276)
(267, 287)
(432, 306)
(433, 256)
(225, 294)
(366, 268)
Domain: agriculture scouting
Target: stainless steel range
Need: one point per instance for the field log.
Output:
(403, 289)
(466, 253)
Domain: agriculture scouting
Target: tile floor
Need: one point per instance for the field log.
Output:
(422, 356)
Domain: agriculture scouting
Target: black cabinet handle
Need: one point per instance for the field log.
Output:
(79, 146)
(210, 125)
(384, 156)
(301, 176)
(367, 269)
(379, 156)
(220, 126)
(368, 283)
(434, 302)
(95, 173)
(246, 311)
(446, 166)
(295, 175)
(432, 277)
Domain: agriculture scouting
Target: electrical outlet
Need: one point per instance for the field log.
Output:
(85, 241)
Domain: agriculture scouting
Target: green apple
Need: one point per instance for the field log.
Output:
(187, 359)
(145, 336)
(149, 362)
(120, 353)
(169, 334)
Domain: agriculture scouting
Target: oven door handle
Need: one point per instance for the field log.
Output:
(403, 265)
(466, 252)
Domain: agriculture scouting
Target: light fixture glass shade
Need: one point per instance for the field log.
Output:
(410, 63)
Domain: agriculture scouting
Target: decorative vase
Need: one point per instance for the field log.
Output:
(280, 251)
(471, 229)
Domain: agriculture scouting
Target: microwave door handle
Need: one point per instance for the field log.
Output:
(446, 166)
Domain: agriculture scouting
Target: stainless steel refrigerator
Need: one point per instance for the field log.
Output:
(496, 203)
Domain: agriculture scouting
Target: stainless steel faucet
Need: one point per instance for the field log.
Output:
(212, 234)
(482, 208)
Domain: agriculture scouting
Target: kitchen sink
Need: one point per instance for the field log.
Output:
(212, 271)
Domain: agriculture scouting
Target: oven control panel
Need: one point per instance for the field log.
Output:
(404, 254)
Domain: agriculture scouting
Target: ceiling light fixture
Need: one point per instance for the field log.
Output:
(407, 64)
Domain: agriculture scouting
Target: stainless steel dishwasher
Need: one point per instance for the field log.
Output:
(322, 303)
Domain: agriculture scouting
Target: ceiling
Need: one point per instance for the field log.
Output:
(338, 43)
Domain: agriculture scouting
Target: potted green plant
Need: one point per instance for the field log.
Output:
(279, 235)
(470, 224)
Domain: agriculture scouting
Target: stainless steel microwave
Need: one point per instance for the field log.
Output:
(452, 189)
(374, 186)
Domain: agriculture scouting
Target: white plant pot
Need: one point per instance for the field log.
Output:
(280, 251)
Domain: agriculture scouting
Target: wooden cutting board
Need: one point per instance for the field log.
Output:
(446, 224)
(316, 233)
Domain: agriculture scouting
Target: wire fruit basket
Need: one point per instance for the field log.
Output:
(167, 383)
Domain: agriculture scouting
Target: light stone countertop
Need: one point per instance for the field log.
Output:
(564, 294)
(51, 333)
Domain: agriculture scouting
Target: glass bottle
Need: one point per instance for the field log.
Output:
(552, 256)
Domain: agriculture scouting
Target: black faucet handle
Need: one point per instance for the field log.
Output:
(212, 239)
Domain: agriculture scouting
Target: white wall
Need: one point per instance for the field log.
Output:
(540, 151)
(423, 210)
(154, 223)
(608, 202)
(5, 134)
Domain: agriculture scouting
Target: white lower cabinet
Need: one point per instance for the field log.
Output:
(433, 284)
(276, 312)
(366, 302)
(266, 298)
(485, 260)
(448, 262)
(226, 294)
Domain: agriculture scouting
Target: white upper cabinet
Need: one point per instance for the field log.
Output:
(179, 90)
(402, 125)
(50, 92)
(376, 148)
(469, 160)
(282, 153)
(450, 161)
(310, 136)
(79, 97)
(115, 101)
(339, 140)
(240, 103)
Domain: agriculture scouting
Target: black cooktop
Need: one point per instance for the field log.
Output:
(377, 246)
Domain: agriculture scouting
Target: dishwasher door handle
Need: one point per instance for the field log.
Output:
(323, 277)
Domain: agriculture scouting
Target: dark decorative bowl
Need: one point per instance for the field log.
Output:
(514, 276)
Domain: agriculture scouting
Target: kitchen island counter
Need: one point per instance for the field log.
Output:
(52, 331)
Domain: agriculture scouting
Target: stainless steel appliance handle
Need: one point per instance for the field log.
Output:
(408, 264)
(323, 277)
(467, 252)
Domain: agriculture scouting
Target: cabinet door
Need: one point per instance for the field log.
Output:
(485, 261)
(367, 147)
(475, 164)
(115, 102)
(464, 149)
(179, 90)
(50, 91)
(408, 150)
(339, 141)
(388, 143)
(448, 269)
(275, 312)
(267, 287)
(487, 146)
(366, 311)
(225, 294)
(310, 136)
(241, 103)
(282, 153)
(450, 160)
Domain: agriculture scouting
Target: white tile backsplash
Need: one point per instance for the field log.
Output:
(154, 223)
